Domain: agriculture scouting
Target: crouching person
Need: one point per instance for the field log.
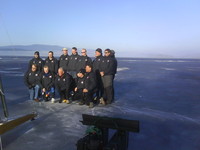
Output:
(31, 80)
(63, 82)
(86, 84)
(90, 85)
(47, 84)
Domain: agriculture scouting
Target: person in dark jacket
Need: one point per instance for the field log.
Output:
(83, 60)
(86, 84)
(36, 60)
(72, 65)
(64, 59)
(63, 82)
(31, 80)
(96, 69)
(52, 63)
(115, 61)
(90, 85)
(78, 95)
(107, 72)
(47, 84)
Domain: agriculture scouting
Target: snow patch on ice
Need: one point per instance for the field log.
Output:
(122, 69)
(169, 69)
(171, 61)
(157, 114)
(129, 60)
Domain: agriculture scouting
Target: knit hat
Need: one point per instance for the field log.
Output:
(99, 50)
(37, 53)
(82, 71)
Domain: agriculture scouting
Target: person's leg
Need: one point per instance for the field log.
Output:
(31, 93)
(108, 86)
(36, 91)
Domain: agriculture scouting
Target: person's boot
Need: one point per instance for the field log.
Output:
(52, 100)
(36, 100)
(81, 102)
(91, 105)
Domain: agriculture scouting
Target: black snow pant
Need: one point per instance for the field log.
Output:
(86, 97)
(108, 94)
(64, 94)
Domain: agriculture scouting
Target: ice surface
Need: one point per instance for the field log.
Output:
(162, 94)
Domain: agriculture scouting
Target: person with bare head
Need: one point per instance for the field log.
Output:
(47, 84)
(83, 60)
(63, 85)
(52, 62)
(96, 69)
(32, 81)
(90, 85)
(72, 65)
(107, 72)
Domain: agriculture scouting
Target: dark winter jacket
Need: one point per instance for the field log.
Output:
(52, 64)
(47, 80)
(72, 65)
(38, 61)
(97, 63)
(90, 81)
(80, 83)
(63, 61)
(63, 82)
(83, 61)
(31, 78)
(108, 66)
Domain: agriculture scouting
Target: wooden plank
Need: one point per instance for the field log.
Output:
(6, 126)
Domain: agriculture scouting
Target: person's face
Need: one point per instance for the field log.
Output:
(83, 52)
(33, 68)
(46, 69)
(65, 52)
(60, 72)
(106, 53)
(80, 75)
(97, 54)
(50, 55)
(88, 69)
(36, 56)
(73, 51)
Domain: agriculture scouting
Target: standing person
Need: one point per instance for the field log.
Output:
(64, 59)
(47, 84)
(96, 69)
(72, 65)
(36, 60)
(115, 62)
(31, 80)
(107, 73)
(63, 82)
(83, 60)
(52, 62)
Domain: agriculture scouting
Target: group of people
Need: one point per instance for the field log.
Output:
(75, 77)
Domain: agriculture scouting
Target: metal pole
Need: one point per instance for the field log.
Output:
(1, 143)
(3, 100)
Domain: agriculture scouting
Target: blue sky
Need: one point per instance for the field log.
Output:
(130, 27)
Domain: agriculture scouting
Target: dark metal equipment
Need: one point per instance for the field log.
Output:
(2, 96)
(119, 141)
(8, 124)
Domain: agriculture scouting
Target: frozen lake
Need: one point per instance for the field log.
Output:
(163, 94)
